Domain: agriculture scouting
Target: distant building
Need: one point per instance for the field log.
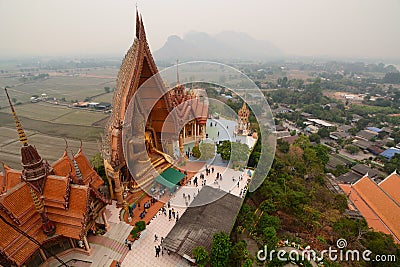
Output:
(389, 153)
(366, 135)
(312, 129)
(321, 123)
(93, 104)
(374, 129)
(103, 106)
(81, 104)
(339, 135)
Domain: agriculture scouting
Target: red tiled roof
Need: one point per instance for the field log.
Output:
(56, 191)
(2, 183)
(391, 185)
(17, 201)
(89, 175)
(63, 166)
(17, 247)
(370, 216)
(381, 203)
(11, 177)
(16, 205)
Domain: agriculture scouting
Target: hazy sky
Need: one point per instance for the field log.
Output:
(365, 28)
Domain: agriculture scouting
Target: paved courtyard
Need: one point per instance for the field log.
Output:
(110, 247)
(143, 250)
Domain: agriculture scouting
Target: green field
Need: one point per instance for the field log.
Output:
(50, 148)
(45, 124)
(72, 88)
(57, 114)
(103, 98)
(77, 132)
(80, 117)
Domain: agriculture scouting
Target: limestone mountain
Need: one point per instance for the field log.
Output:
(227, 45)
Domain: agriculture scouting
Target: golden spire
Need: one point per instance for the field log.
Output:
(21, 133)
(38, 203)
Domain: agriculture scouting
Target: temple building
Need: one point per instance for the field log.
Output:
(243, 126)
(192, 113)
(46, 209)
(151, 139)
(379, 203)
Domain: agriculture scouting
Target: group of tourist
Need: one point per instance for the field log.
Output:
(146, 207)
(160, 247)
(172, 214)
(128, 243)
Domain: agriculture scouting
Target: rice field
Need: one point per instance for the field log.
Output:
(68, 87)
(57, 114)
(49, 147)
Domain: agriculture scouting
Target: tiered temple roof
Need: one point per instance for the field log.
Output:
(44, 202)
(66, 203)
(187, 105)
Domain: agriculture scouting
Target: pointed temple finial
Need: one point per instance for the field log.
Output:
(77, 170)
(177, 71)
(137, 22)
(66, 145)
(20, 130)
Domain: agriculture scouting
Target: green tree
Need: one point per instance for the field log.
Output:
(196, 151)
(207, 151)
(233, 151)
(352, 149)
(315, 138)
(200, 255)
(239, 252)
(390, 143)
(220, 250)
(14, 100)
(107, 89)
(322, 153)
(282, 146)
(323, 132)
(248, 263)
(97, 163)
(269, 237)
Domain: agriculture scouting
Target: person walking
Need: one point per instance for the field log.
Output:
(158, 251)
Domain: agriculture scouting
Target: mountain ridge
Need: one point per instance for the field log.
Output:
(222, 46)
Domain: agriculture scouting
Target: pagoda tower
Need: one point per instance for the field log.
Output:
(136, 68)
(243, 127)
(34, 173)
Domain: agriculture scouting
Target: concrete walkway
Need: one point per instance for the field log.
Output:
(111, 246)
(143, 249)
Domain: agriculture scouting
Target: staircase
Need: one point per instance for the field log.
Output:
(114, 241)
(160, 162)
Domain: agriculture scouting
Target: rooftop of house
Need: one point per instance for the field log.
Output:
(366, 134)
(384, 206)
(389, 153)
(199, 222)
